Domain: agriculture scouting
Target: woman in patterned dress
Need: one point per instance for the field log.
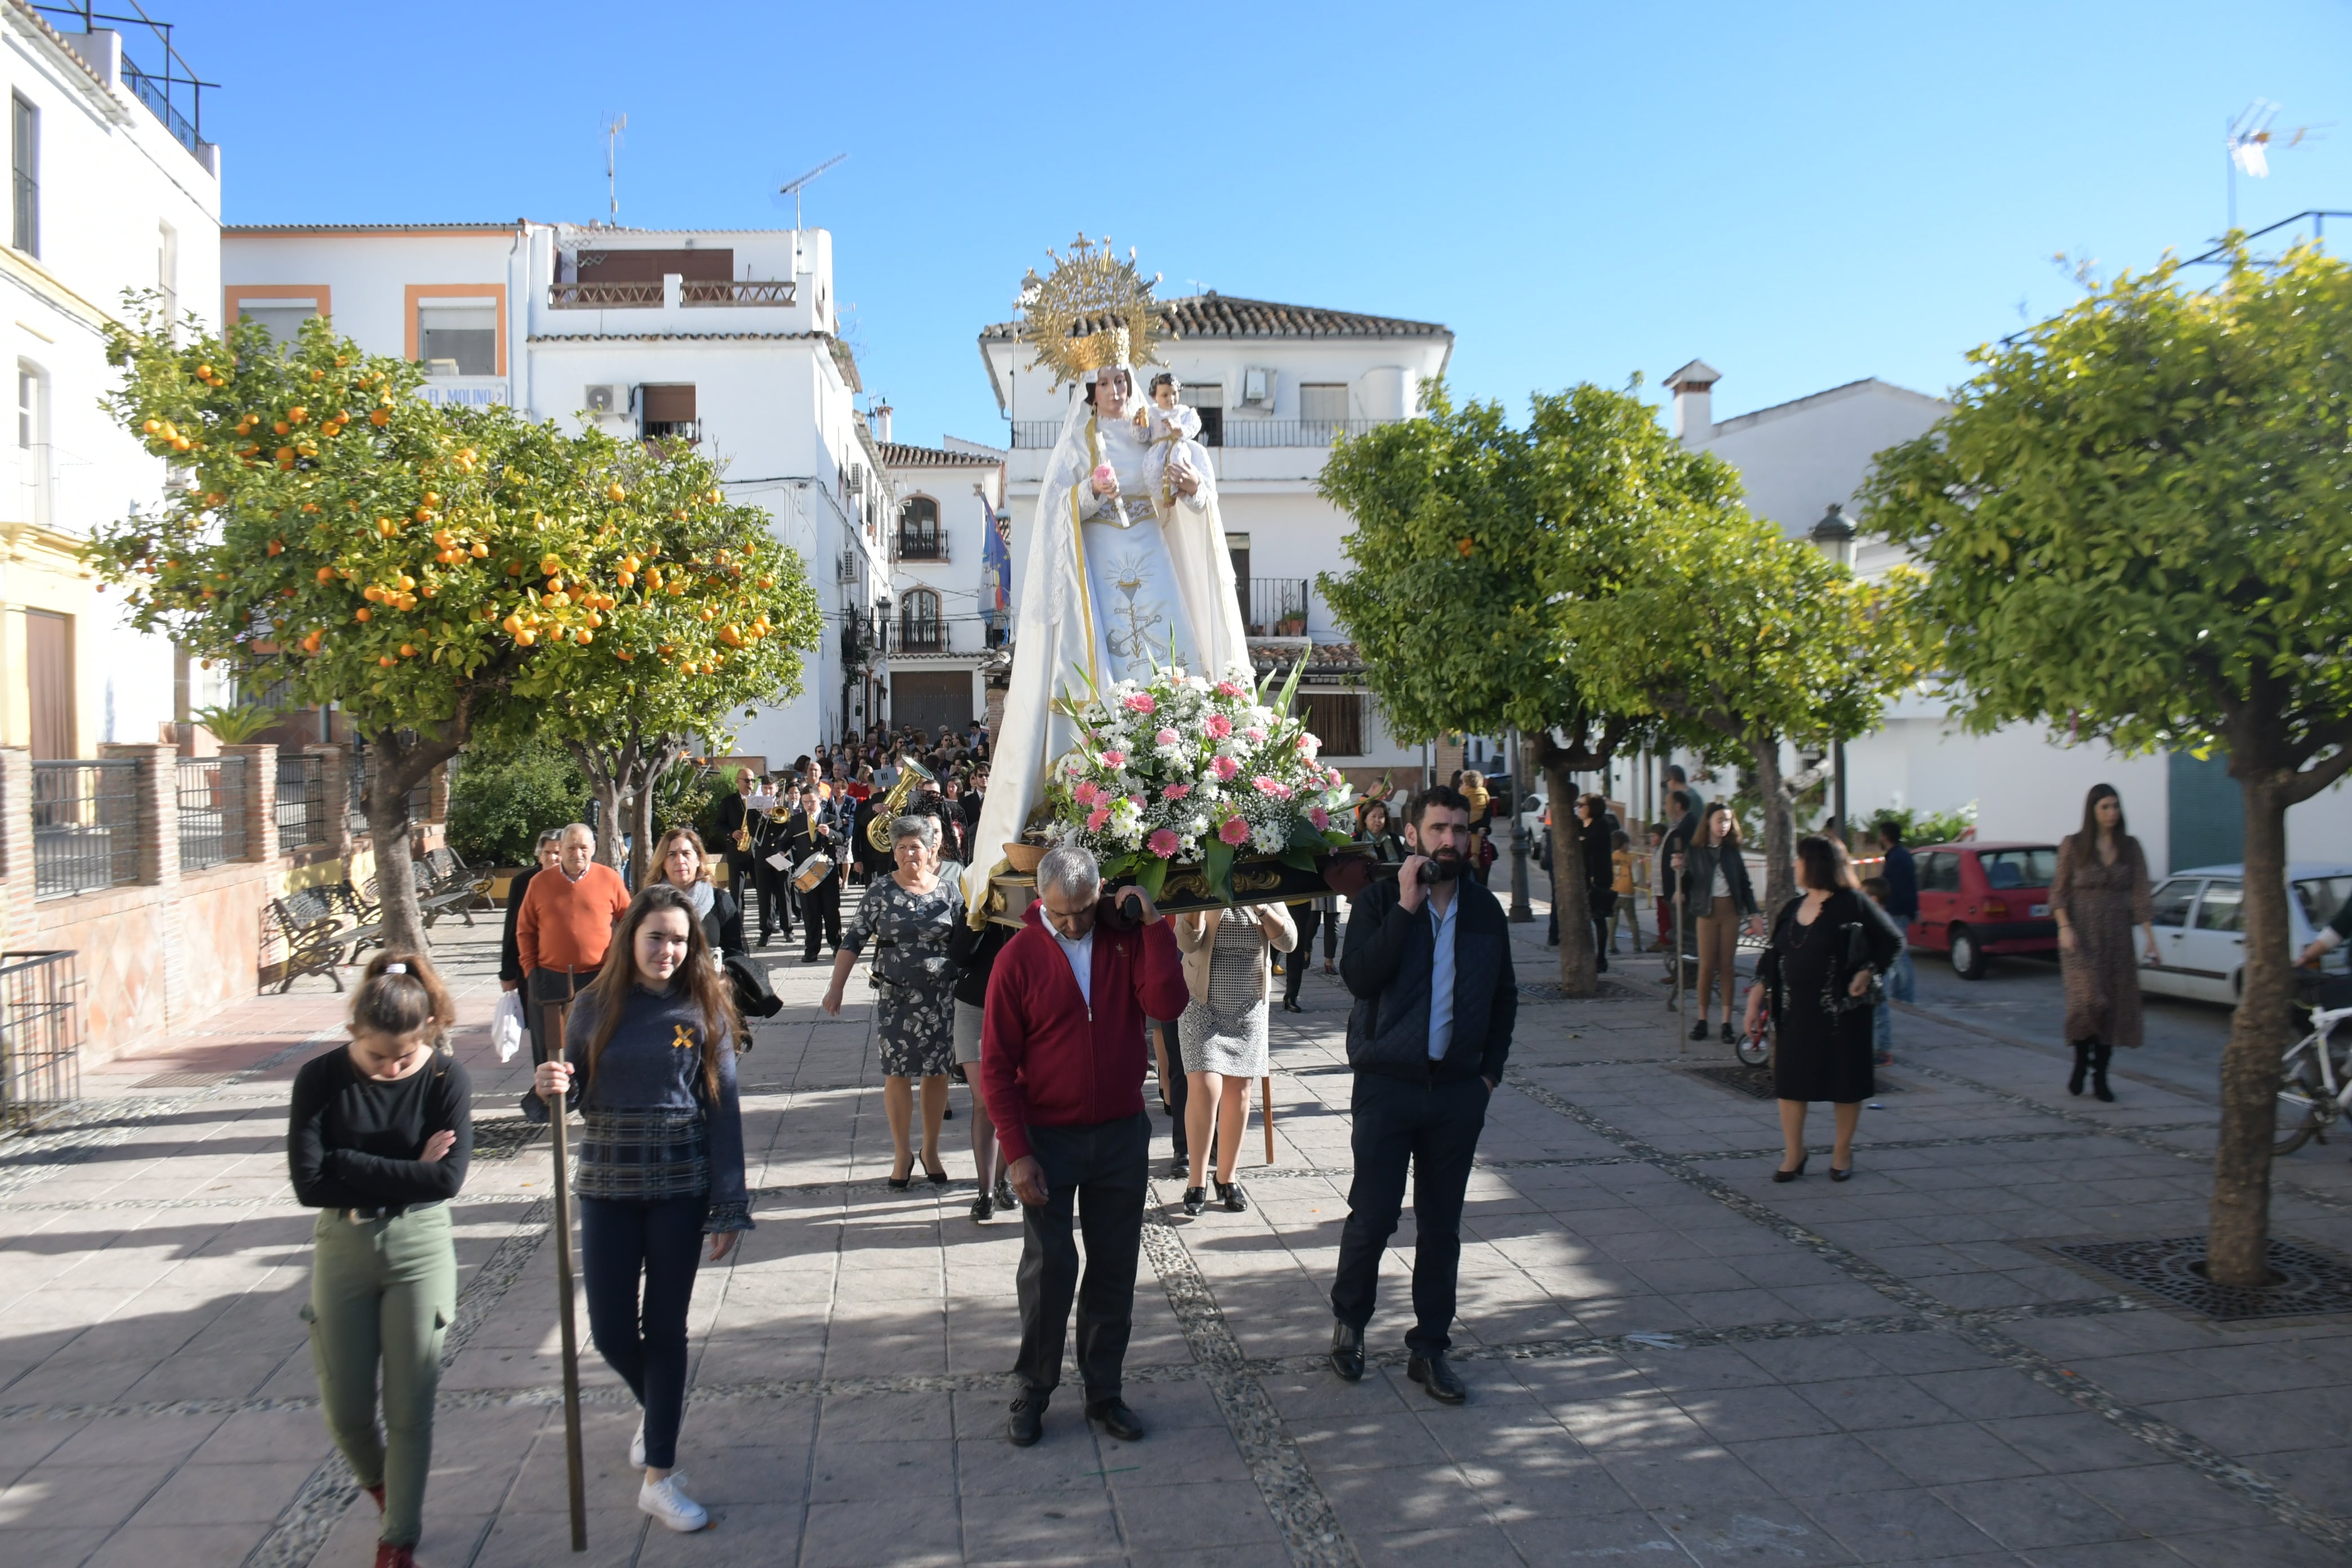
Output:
(2099, 893)
(1222, 1033)
(913, 912)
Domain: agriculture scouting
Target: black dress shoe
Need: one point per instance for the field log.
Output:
(1348, 1351)
(1180, 1167)
(1025, 1422)
(1114, 1417)
(1698, 1030)
(1230, 1195)
(1728, 1037)
(1434, 1373)
(1195, 1199)
(1838, 1175)
(1792, 1176)
(982, 1208)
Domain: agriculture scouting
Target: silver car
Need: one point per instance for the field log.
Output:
(2201, 928)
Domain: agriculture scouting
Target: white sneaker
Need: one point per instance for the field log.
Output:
(637, 1445)
(665, 1500)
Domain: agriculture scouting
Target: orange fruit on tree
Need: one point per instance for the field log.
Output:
(362, 614)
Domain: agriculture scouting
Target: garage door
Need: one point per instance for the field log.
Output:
(931, 697)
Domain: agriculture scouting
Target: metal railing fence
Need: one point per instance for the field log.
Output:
(85, 826)
(301, 801)
(40, 1034)
(212, 796)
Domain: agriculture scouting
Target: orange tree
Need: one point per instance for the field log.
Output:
(2137, 526)
(433, 572)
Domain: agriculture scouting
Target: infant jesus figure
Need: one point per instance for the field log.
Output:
(1173, 432)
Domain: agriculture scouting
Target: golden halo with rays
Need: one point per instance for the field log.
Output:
(1076, 316)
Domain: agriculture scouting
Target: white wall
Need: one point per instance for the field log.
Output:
(1796, 459)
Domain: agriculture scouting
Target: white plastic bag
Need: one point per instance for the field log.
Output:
(507, 1028)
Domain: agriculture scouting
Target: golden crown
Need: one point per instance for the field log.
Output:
(1092, 311)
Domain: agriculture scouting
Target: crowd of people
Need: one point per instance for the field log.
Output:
(638, 1015)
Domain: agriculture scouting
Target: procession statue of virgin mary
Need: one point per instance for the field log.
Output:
(1128, 570)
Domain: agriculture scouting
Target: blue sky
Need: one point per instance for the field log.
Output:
(1802, 195)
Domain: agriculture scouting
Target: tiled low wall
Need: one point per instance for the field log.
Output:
(166, 952)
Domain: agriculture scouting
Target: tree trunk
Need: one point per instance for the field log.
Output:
(399, 769)
(641, 824)
(2240, 1226)
(1570, 900)
(1779, 824)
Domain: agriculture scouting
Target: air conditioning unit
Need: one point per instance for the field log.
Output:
(1257, 387)
(856, 480)
(849, 572)
(603, 400)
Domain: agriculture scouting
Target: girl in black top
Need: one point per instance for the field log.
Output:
(379, 1138)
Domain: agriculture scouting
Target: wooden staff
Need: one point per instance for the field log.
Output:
(1266, 1098)
(1682, 1035)
(558, 1144)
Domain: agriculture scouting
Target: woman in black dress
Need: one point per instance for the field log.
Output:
(1828, 946)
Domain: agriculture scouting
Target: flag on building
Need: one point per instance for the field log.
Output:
(996, 558)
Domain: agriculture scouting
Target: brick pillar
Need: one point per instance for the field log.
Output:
(260, 799)
(436, 804)
(335, 782)
(17, 884)
(157, 812)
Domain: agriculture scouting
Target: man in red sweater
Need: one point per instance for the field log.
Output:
(1062, 1062)
(562, 929)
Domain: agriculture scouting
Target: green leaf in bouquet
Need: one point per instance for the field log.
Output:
(1298, 859)
(1217, 868)
(1336, 837)
(1291, 686)
(1153, 877)
(1304, 835)
(1118, 866)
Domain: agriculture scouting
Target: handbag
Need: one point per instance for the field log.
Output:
(508, 1025)
(1835, 998)
(754, 997)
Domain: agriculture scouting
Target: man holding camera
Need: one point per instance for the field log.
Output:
(1428, 959)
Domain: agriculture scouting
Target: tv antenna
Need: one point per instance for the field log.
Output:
(613, 125)
(793, 188)
(2249, 140)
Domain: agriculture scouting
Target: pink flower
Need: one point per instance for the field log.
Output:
(1308, 744)
(1096, 817)
(1254, 736)
(1234, 831)
(1224, 767)
(1321, 818)
(1141, 702)
(1166, 738)
(1088, 792)
(1335, 778)
(1114, 759)
(1176, 791)
(1266, 786)
(1165, 844)
(1227, 688)
(1219, 726)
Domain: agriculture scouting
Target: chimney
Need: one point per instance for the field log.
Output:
(1693, 401)
(882, 422)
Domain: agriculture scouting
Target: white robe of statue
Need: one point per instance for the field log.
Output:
(1111, 588)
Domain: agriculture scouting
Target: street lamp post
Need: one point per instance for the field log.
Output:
(1833, 536)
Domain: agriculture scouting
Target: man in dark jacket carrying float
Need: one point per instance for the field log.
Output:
(1429, 963)
(1062, 1063)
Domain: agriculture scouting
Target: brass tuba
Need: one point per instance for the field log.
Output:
(911, 774)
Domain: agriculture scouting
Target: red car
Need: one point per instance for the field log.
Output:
(1979, 898)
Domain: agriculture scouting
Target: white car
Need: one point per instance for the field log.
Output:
(2200, 929)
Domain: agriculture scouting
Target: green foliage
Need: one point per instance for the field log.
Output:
(234, 726)
(689, 797)
(1928, 826)
(1473, 541)
(502, 801)
(2136, 519)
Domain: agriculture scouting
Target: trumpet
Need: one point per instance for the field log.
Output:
(911, 774)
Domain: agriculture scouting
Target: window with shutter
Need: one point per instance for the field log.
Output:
(667, 412)
(1336, 719)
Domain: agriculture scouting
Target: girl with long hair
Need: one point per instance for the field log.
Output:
(378, 1137)
(2099, 893)
(1715, 880)
(649, 1063)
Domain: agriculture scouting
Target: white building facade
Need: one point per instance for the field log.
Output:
(113, 189)
(947, 628)
(1276, 385)
(1798, 460)
(726, 338)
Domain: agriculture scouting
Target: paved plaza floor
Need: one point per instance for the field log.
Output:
(1670, 1359)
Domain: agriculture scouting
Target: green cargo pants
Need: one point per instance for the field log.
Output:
(384, 1291)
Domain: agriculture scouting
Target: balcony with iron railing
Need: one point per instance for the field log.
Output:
(175, 94)
(920, 543)
(1272, 606)
(915, 635)
(651, 294)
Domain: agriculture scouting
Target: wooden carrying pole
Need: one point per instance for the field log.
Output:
(1266, 1097)
(556, 1145)
(1682, 1035)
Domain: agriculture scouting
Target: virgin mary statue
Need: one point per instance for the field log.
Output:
(1124, 576)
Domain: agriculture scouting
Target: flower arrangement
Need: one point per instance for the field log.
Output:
(1179, 768)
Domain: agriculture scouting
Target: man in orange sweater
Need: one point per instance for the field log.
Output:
(565, 925)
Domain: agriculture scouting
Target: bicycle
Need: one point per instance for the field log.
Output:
(2318, 1082)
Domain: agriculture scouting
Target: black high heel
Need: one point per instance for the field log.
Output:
(1838, 1175)
(1792, 1176)
(900, 1184)
(937, 1178)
